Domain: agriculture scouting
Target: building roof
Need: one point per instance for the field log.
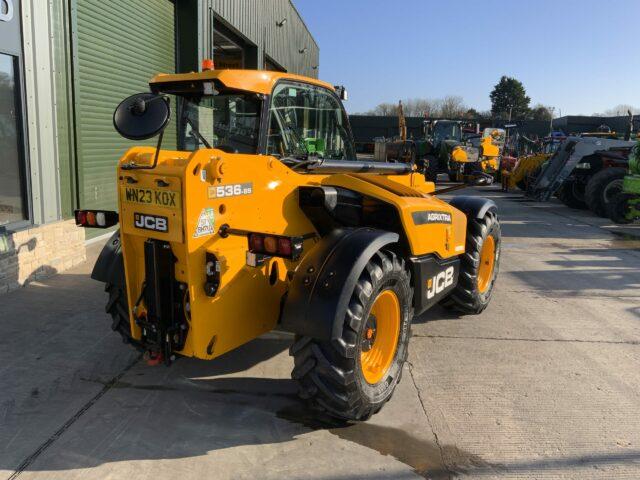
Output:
(259, 81)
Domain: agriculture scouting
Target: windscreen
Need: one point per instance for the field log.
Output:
(210, 117)
(446, 131)
(308, 121)
(230, 122)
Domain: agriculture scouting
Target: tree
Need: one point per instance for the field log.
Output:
(452, 107)
(472, 113)
(384, 110)
(509, 99)
(541, 112)
(620, 110)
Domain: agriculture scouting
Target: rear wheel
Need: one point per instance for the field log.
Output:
(572, 195)
(353, 376)
(619, 208)
(478, 266)
(602, 187)
(118, 308)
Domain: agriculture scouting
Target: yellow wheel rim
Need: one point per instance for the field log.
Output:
(380, 336)
(487, 263)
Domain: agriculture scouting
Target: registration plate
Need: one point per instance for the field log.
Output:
(152, 197)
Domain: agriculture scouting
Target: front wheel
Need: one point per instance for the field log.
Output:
(431, 170)
(478, 266)
(353, 376)
(619, 208)
(602, 187)
(571, 193)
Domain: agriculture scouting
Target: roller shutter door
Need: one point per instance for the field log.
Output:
(118, 46)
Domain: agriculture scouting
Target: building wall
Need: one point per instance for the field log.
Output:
(41, 119)
(256, 21)
(50, 245)
(50, 242)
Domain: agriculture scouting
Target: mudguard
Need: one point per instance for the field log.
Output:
(319, 293)
(476, 207)
(109, 267)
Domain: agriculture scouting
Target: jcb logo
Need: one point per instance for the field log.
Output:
(150, 222)
(439, 282)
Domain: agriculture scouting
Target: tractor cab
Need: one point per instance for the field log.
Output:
(249, 112)
(443, 130)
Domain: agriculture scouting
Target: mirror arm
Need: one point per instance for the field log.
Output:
(132, 166)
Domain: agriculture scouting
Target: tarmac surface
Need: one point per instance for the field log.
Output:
(544, 384)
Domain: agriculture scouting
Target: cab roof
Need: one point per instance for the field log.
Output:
(258, 81)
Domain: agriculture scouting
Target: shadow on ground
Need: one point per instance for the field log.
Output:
(197, 407)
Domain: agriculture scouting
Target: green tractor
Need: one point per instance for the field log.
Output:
(625, 206)
(442, 136)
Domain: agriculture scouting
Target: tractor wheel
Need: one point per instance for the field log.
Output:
(118, 308)
(618, 208)
(352, 377)
(522, 185)
(431, 171)
(602, 187)
(478, 266)
(572, 195)
(532, 177)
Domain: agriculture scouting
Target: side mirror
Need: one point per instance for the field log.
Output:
(142, 116)
(342, 92)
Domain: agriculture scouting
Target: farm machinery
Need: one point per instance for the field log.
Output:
(584, 172)
(264, 219)
(624, 207)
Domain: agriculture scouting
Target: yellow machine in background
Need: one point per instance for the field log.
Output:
(467, 163)
(523, 170)
(527, 166)
(264, 218)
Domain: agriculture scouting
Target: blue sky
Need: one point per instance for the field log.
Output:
(579, 56)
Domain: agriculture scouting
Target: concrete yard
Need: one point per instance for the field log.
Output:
(544, 384)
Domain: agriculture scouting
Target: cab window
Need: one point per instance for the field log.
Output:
(307, 121)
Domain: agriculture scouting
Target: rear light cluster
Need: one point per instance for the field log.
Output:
(96, 218)
(275, 246)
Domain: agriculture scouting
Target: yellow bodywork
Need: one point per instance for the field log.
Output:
(490, 155)
(258, 81)
(184, 187)
(488, 158)
(525, 166)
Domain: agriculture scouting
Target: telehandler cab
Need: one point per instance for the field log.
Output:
(263, 219)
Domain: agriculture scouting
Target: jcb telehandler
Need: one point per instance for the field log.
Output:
(263, 219)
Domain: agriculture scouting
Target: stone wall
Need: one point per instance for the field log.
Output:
(39, 252)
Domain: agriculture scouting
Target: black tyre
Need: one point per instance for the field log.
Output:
(522, 185)
(478, 266)
(118, 308)
(431, 170)
(572, 195)
(531, 178)
(453, 176)
(618, 208)
(352, 377)
(602, 187)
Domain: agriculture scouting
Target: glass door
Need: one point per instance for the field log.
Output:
(12, 204)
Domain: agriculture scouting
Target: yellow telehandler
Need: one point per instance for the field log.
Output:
(264, 219)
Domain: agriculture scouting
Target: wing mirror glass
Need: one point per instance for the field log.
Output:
(142, 116)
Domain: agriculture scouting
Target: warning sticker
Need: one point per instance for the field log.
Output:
(206, 223)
